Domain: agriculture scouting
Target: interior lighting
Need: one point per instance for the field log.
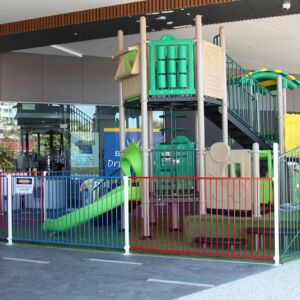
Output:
(286, 5)
(64, 49)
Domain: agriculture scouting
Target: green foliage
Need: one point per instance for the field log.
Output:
(6, 157)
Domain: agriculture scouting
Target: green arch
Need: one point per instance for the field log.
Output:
(268, 79)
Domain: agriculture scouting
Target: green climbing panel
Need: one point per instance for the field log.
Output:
(175, 159)
(171, 67)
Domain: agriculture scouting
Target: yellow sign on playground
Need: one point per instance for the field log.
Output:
(291, 131)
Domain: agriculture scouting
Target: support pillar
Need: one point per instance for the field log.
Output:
(151, 146)
(280, 100)
(225, 99)
(284, 101)
(200, 108)
(122, 124)
(144, 108)
(197, 143)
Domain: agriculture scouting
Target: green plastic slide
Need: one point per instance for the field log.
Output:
(132, 159)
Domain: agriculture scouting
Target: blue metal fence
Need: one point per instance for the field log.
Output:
(80, 210)
(3, 207)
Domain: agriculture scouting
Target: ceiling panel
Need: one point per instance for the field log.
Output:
(212, 14)
(16, 10)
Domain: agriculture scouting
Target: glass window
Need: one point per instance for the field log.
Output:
(54, 137)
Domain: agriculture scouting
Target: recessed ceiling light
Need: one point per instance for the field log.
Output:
(286, 5)
(67, 50)
(161, 18)
(182, 26)
(75, 33)
(152, 13)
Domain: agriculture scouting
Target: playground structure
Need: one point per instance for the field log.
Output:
(213, 196)
(183, 74)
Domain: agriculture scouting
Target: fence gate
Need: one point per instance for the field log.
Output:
(289, 210)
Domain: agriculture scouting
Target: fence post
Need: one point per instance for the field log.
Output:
(126, 215)
(276, 204)
(9, 210)
(256, 180)
(43, 196)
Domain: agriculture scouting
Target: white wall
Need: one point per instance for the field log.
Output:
(293, 99)
(57, 79)
(64, 79)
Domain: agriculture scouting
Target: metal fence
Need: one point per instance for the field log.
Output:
(223, 223)
(289, 215)
(69, 210)
(3, 207)
(227, 217)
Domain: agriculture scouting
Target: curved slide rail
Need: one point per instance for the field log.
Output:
(82, 215)
(132, 158)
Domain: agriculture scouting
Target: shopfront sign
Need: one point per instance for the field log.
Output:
(112, 147)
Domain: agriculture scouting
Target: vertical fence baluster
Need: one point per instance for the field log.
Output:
(276, 203)
(9, 210)
(126, 215)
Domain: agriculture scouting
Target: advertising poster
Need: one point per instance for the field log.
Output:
(112, 147)
(84, 150)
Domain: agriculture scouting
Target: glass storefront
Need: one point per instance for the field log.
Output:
(60, 137)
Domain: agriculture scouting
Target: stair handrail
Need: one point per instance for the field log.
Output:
(250, 102)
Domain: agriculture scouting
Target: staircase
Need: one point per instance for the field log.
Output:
(237, 129)
(252, 109)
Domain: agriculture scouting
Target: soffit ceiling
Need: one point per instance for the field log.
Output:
(270, 42)
(212, 14)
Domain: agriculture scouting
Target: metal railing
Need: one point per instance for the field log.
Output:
(79, 121)
(289, 216)
(226, 227)
(183, 215)
(69, 210)
(250, 102)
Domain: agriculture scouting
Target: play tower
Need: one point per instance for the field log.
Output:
(171, 72)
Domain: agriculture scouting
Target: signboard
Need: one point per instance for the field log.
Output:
(24, 185)
(112, 146)
(84, 150)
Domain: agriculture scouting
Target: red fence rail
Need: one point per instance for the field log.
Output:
(229, 217)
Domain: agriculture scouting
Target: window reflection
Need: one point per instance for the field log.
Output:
(58, 137)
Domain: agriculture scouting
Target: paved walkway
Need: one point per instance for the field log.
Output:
(280, 283)
(40, 272)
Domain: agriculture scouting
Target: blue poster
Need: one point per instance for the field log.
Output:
(112, 147)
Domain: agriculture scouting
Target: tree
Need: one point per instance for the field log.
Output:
(7, 157)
